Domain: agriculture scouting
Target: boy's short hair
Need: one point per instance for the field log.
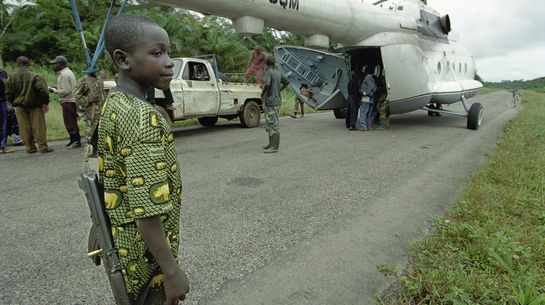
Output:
(122, 32)
(303, 86)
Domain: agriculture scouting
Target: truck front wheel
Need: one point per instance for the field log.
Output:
(208, 121)
(250, 115)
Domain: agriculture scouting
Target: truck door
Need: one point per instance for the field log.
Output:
(200, 90)
(325, 73)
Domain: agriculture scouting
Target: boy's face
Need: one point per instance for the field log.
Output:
(150, 64)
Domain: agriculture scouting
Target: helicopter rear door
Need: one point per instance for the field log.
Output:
(325, 73)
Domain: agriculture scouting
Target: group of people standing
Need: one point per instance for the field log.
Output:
(368, 97)
(28, 93)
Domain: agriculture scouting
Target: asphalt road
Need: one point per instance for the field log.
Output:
(308, 225)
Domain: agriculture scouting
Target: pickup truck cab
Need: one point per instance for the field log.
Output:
(198, 92)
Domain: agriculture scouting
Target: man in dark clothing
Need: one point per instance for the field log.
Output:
(353, 101)
(28, 92)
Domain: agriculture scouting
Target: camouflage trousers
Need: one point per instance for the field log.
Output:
(383, 106)
(91, 114)
(271, 120)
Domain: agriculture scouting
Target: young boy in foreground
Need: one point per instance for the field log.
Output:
(138, 166)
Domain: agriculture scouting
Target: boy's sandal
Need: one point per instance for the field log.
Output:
(6, 151)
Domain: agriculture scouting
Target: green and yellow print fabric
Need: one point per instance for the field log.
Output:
(140, 174)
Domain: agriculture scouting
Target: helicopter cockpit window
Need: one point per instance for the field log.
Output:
(460, 68)
(438, 68)
(196, 71)
(465, 69)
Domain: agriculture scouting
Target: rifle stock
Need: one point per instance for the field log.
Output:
(88, 182)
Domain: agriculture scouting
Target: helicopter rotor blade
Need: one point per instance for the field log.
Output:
(379, 2)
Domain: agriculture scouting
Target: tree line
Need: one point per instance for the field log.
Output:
(537, 85)
(43, 29)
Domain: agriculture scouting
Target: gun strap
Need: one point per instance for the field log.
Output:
(91, 150)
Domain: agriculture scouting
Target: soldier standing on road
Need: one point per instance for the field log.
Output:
(383, 105)
(305, 91)
(255, 66)
(28, 93)
(271, 100)
(66, 89)
(90, 97)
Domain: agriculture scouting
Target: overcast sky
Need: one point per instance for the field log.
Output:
(506, 37)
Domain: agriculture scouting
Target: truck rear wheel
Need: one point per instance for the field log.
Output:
(208, 121)
(250, 115)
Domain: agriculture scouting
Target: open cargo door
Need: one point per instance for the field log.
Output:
(325, 73)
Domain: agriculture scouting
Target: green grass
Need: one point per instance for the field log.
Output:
(491, 248)
(55, 124)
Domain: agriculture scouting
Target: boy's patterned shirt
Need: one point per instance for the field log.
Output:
(140, 174)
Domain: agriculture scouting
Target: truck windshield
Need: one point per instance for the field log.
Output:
(196, 71)
(177, 67)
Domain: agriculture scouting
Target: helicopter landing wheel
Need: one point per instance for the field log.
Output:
(475, 116)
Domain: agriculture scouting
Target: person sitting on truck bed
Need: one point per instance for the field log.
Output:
(256, 66)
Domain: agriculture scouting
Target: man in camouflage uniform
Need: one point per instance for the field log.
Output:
(273, 84)
(383, 105)
(90, 97)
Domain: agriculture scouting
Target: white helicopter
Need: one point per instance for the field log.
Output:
(406, 40)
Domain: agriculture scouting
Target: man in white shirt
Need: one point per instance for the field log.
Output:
(66, 88)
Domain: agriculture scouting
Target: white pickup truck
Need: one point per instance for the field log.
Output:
(198, 92)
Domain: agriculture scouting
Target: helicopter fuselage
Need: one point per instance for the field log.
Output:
(407, 40)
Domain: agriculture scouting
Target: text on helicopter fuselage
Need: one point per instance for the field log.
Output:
(287, 4)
